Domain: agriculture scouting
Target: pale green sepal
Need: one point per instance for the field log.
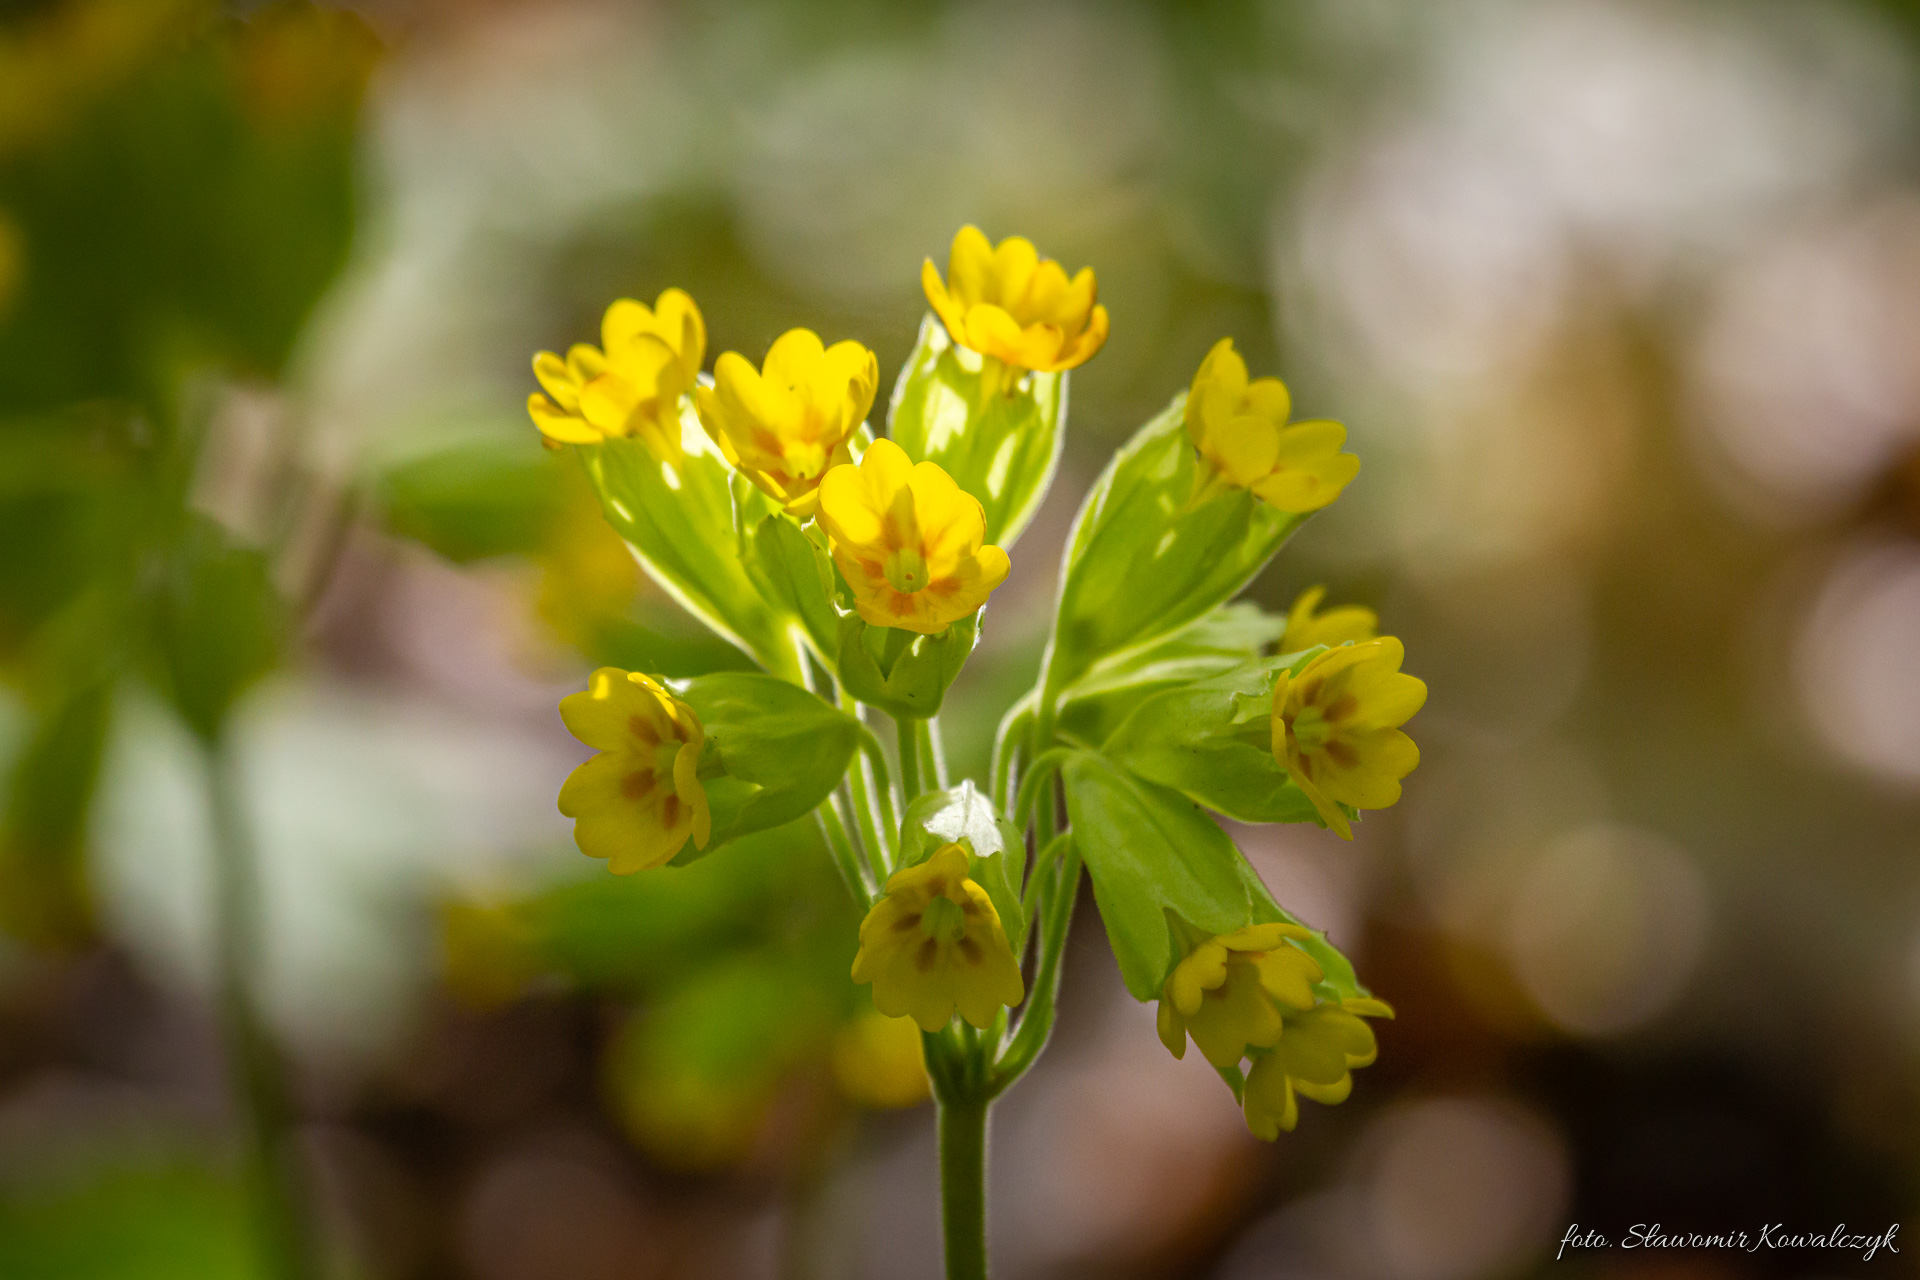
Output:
(901, 672)
(792, 571)
(962, 815)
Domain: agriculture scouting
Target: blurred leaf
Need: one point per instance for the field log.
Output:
(1001, 447)
(171, 1222)
(1140, 565)
(221, 624)
(1150, 850)
(476, 500)
(43, 893)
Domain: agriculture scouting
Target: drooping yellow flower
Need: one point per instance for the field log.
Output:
(1007, 303)
(1245, 441)
(1314, 1057)
(786, 424)
(879, 1061)
(1336, 727)
(909, 541)
(629, 386)
(1230, 991)
(636, 802)
(1306, 628)
(934, 944)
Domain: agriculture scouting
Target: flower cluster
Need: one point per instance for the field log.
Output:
(855, 571)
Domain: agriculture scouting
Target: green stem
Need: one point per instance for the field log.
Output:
(907, 733)
(279, 1195)
(1036, 1023)
(963, 1186)
(1008, 743)
(932, 750)
(834, 827)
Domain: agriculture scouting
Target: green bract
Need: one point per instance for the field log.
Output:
(902, 673)
(779, 751)
(1141, 564)
(1150, 850)
(679, 521)
(999, 446)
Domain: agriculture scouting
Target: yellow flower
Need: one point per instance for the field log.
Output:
(1008, 304)
(934, 944)
(632, 387)
(786, 424)
(636, 802)
(1230, 991)
(1315, 1057)
(908, 540)
(1306, 629)
(1336, 727)
(1245, 442)
(879, 1061)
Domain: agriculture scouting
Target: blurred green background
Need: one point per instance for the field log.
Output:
(1619, 298)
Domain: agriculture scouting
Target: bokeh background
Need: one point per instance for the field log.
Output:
(1621, 301)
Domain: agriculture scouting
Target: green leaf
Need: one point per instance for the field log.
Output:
(220, 624)
(903, 673)
(781, 749)
(679, 521)
(961, 815)
(1001, 447)
(1149, 850)
(1212, 741)
(1141, 565)
(43, 882)
(1230, 636)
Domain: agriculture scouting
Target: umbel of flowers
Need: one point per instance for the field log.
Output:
(856, 572)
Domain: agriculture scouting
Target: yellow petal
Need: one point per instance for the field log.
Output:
(557, 379)
(555, 425)
(970, 266)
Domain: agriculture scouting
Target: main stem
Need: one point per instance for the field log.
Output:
(963, 1186)
(285, 1234)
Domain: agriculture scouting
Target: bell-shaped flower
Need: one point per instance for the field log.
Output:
(1314, 1057)
(1008, 303)
(632, 384)
(1229, 992)
(1306, 627)
(909, 541)
(934, 944)
(636, 803)
(786, 424)
(1336, 728)
(1245, 441)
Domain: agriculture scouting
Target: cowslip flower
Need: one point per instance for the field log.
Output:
(1306, 627)
(636, 803)
(909, 541)
(934, 944)
(880, 1062)
(631, 385)
(1008, 304)
(1336, 728)
(1314, 1057)
(787, 423)
(1245, 441)
(1229, 992)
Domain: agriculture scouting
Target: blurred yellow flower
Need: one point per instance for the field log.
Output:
(880, 1062)
(636, 802)
(1314, 1057)
(1306, 628)
(1336, 728)
(1007, 303)
(786, 424)
(633, 386)
(909, 541)
(1245, 441)
(1229, 992)
(934, 944)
